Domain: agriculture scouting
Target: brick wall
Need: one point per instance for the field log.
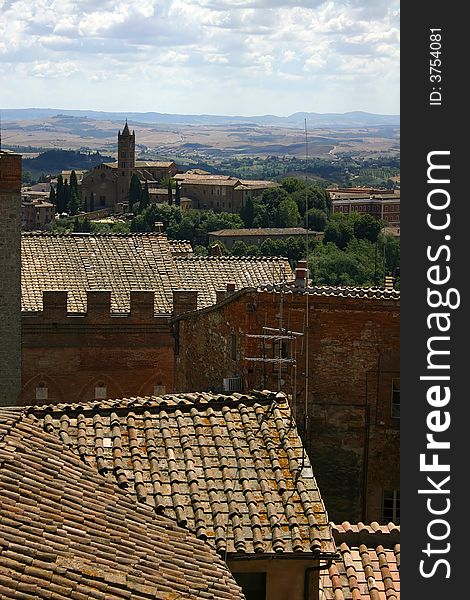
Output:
(353, 349)
(10, 291)
(73, 355)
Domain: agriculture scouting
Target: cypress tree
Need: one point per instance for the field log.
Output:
(178, 195)
(92, 201)
(67, 196)
(73, 183)
(52, 196)
(145, 198)
(170, 193)
(60, 197)
(135, 192)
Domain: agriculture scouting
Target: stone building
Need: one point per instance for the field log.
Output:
(107, 185)
(36, 213)
(10, 239)
(346, 396)
(96, 310)
(220, 193)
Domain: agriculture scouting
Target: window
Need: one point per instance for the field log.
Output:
(234, 347)
(100, 392)
(391, 506)
(102, 200)
(395, 398)
(252, 584)
(42, 392)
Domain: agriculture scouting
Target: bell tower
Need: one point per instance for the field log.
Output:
(126, 162)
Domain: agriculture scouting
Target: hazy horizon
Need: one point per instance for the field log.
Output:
(219, 57)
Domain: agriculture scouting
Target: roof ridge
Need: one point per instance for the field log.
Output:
(170, 402)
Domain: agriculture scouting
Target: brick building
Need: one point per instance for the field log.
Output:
(380, 204)
(10, 239)
(349, 413)
(36, 213)
(96, 310)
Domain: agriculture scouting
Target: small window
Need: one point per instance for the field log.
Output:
(252, 584)
(395, 398)
(234, 347)
(100, 392)
(42, 392)
(391, 506)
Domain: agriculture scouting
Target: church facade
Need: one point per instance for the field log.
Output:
(107, 185)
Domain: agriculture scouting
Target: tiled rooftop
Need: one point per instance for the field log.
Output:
(207, 274)
(232, 469)
(123, 262)
(80, 262)
(372, 293)
(369, 563)
(66, 532)
(180, 247)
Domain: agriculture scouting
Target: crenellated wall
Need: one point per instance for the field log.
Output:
(83, 356)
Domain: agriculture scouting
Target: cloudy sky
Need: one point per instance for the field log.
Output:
(242, 57)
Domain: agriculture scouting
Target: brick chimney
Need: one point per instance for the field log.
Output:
(301, 274)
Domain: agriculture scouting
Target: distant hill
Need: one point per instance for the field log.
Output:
(331, 120)
(53, 162)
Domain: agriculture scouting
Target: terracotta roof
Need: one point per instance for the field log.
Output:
(207, 274)
(153, 163)
(368, 566)
(232, 469)
(80, 262)
(180, 247)
(371, 293)
(260, 231)
(66, 532)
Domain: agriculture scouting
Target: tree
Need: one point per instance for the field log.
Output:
(247, 212)
(61, 203)
(239, 248)
(177, 195)
(316, 219)
(67, 196)
(144, 198)
(92, 201)
(292, 184)
(52, 196)
(74, 204)
(135, 192)
(339, 230)
(170, 193)
(288, 213)
(73, 183)
(367, 228)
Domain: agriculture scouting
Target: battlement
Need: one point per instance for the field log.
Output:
(99, 309)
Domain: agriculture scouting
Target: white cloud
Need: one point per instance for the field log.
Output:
(228, 55)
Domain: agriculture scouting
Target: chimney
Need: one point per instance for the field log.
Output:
(389, 281)
(301, 274)
(158, 227)
(216, 250)
(184, 301)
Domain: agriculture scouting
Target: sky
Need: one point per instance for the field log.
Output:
(225, 57)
